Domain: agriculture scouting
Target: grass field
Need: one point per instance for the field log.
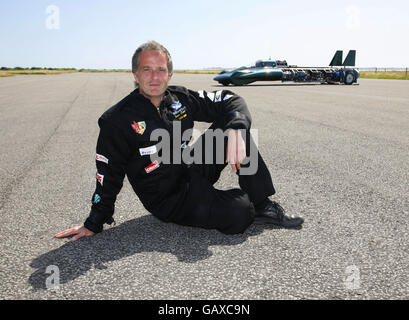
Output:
(198, 71)
(13, 72)
(402, 75)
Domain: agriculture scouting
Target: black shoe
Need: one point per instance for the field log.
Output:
(272, 212)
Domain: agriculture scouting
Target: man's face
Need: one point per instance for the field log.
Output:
(152, 76)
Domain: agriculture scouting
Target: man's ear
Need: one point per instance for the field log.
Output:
(136, 80)
(135, 77)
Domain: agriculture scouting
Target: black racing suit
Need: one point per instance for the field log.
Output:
(173, 192)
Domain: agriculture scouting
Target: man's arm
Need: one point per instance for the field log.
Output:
(212, 106)
(112, 156)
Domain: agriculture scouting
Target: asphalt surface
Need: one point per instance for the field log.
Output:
(338, 155)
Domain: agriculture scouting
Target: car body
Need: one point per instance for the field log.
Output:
(273, 70)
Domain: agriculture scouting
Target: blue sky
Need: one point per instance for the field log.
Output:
(202, 34)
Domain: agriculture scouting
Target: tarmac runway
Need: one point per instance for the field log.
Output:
(338, 155)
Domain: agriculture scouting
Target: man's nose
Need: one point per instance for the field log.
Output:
(155, 74)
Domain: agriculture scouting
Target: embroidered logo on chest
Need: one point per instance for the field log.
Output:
(179, 111)
(139, 127)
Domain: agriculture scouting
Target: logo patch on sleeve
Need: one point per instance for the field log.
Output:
(97, 198)
(148, 150)
(100, 179)
(100, 157)
(153, 166)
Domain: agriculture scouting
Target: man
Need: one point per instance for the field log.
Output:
(178, 192)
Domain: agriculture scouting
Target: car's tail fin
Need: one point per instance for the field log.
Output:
(350, 59)
(337, 59)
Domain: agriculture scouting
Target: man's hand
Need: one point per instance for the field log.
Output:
(236, 149)
(79, 232)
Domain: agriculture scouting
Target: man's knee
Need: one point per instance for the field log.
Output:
(236, 214)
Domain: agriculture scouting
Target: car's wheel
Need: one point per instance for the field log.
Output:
(225, 83)
(349, 78)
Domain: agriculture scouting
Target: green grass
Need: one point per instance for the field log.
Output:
(13, 72)
(6, 72)
(198, 71)
(105, 70)
(401, 75)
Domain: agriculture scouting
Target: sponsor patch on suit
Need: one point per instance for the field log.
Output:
(179, 111)
(97, 198)
(147, 150)
(100, 179)
(153, 166)
(139, 127)
(100, 157)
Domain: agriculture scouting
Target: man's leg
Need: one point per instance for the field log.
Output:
(256, 183)
(229, 211)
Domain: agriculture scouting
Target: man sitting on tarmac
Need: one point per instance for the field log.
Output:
(176, 191)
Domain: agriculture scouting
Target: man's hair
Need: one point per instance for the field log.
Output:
(151, 46)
